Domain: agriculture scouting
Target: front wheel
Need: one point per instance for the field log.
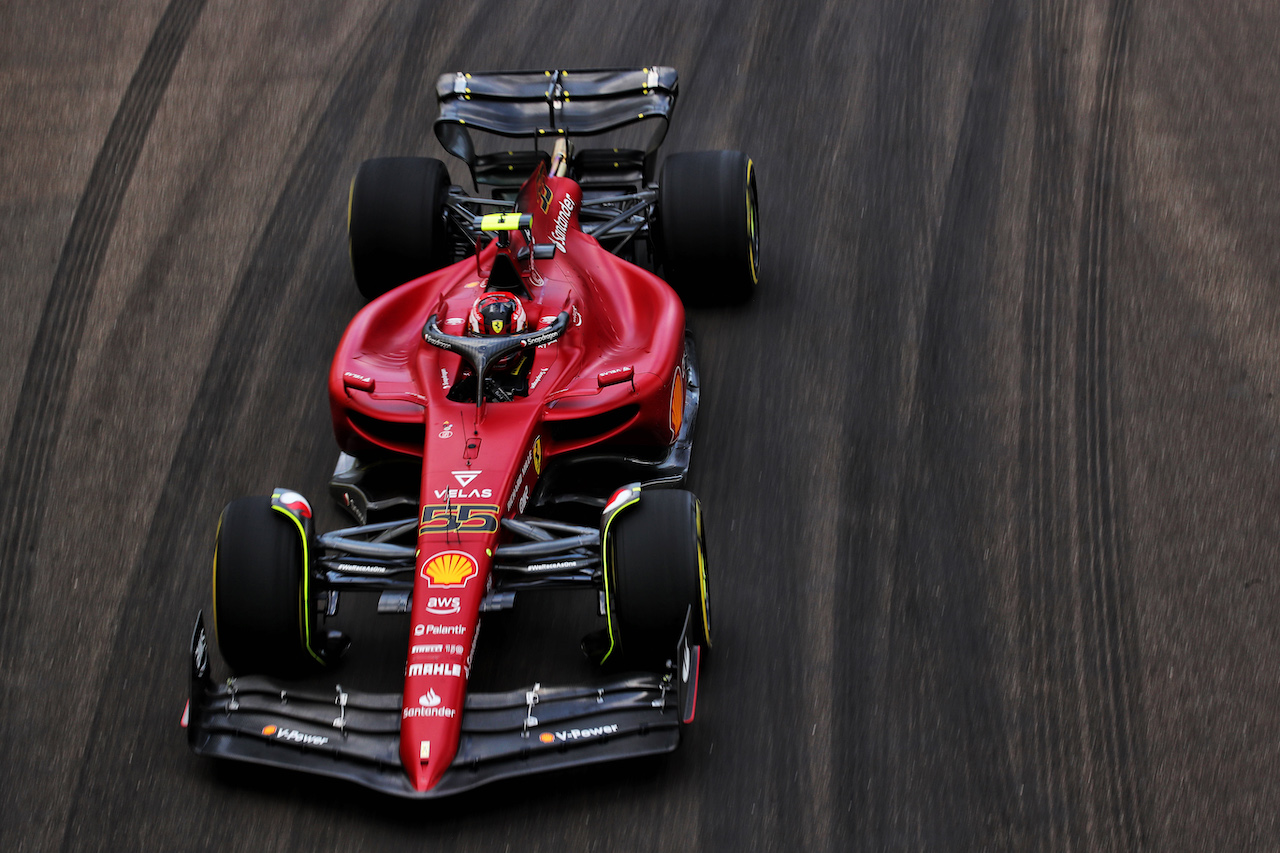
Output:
(656, 567)
(709, 224)
(260, 606)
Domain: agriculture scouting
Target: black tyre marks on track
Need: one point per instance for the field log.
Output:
(1111, 644)
(944, 635)
(1081, 754)
(412, 109)
(924, 761)
(892, 184)
(37, 423)
(277, 286)
(1044, 580)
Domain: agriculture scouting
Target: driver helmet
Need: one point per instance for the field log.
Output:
(497, 313)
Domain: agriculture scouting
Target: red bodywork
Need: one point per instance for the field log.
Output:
(613, 377)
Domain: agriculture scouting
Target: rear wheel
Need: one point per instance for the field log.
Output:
(396, 222)
(710, 226)
(259, 606)
(658, 573)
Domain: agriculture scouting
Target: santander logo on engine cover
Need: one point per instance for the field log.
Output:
(561, 230)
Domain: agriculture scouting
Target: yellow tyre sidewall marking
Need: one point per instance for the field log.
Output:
(351, 200)
(304, 587)
(217, 540)
(604, 562)
(702, 574)
(752, 228)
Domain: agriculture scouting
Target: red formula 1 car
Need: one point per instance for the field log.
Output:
(515, 408)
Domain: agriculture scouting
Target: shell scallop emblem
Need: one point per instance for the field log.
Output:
(449, 568)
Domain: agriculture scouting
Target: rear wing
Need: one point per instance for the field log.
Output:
(551, 104)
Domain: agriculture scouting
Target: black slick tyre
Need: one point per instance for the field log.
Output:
(709, 224)
(396, 222)
(657, 570)
(259, 606)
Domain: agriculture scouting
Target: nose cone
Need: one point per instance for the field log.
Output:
(430, 721)
(426, 751)
(416, 758)
(416, 765)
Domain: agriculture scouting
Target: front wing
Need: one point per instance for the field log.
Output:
(355, 736)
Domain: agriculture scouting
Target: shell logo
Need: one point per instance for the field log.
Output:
(268, 730)
(546, 737)
(449, 568)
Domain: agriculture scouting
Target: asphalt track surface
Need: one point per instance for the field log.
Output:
(989, 463)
